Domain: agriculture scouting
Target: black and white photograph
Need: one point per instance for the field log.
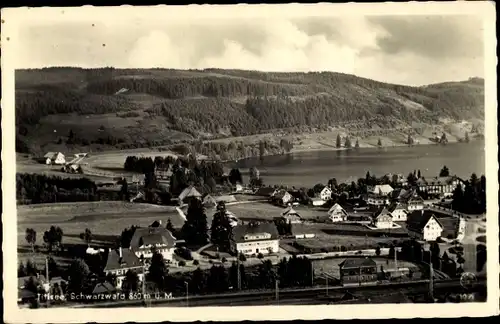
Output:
(259, 161)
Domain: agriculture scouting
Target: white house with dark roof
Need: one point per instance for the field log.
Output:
(383, 219)
(255, 238)
(325, 193)
(398, 212)
(147, 240)
(424, 225)
(283, 197)
(54, 158)
(120, 261)
(443, 186)
(337, 214)
(415, 203)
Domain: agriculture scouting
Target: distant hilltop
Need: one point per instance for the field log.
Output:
(150, 106)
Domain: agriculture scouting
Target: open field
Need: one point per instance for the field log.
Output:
(267, 211)
(106, 220)
(349, 241)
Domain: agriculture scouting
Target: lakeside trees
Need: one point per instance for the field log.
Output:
(53, 237)
(221, 230)
(195, 227)
(472, 199)
(31, 238)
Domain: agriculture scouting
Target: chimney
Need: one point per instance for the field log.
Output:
(120, 253)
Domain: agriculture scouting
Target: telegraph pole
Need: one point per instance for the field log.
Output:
(48, 280)
(431, 281)
(238, 272)
(277, 282)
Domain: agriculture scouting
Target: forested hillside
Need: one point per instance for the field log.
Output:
(143, 107)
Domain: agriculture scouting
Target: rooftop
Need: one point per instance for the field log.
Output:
(152, 235)
(255, 228)
(128, 260)
(357, 263)
(419, 218)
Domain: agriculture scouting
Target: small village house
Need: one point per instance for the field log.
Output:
(381, 190)
(383, 219)
(120, 261)
(337, 214)
(398, 212)
(325, 193)
(358, 271)
(148, 239)
(453, 227)
(54, 158)
(424, 225)
(189, 193)
(291, 216)
(238, 188)
(415, 203)
(255, 238)
(283, 198)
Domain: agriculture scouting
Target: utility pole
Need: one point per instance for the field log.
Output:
(277, 282)
(312, 274)
(238, 272)
(48, 280)
(395, 258)
(431, 281)
(187, 292)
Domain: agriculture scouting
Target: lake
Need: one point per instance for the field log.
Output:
(305, 169)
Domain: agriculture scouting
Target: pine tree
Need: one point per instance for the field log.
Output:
(221, 230)
(338, 145)
(357, 144)
(467, 139)
(379, 143)
(347, 142)
(195, 227)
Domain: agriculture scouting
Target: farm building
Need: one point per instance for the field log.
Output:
(376, 200)
(209, 201)
(54, 158)
(282, 197)
(255, 238)
(337, 214)
(424, 225)
(415, 203)
(291, 216)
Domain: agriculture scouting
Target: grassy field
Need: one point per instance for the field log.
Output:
(324, 241)
(267, 211)
(106, 220)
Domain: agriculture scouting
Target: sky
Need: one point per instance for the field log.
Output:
(402, 49)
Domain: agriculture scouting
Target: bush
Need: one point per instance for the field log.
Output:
(253, 255)
(243, 257)
(377, 250)
(184, 253)
(196, 262)
(223, 259)
(217, 256)
(260, 256)
(210, 261)
(182, 263)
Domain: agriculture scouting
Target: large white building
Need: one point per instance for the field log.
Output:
(159, 239)
(424, 225)
(381, 190)
(255, 238)
(441, 186)
(337, 214)
(325, 193)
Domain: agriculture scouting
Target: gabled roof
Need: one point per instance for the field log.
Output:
(128, 260)
(396, 206)
(281, 194)
(418, 219)
(265, 191)
(435, 181)
(337, 208)
(382, 189)
(357, 263)
(383, 212)
(208, 199)
(152, 235)
(240, 231)
(103, 288)
(189, 192)
(450, 226)
(290, 211)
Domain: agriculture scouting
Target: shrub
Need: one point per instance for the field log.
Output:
(182, 263)
(243, 257)
(210, 261)
(260, 256)
(253, 255)
(377, 250)
(223, 259)
(196, 262)
(343, 248)
(217, 256)
(359, 252)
